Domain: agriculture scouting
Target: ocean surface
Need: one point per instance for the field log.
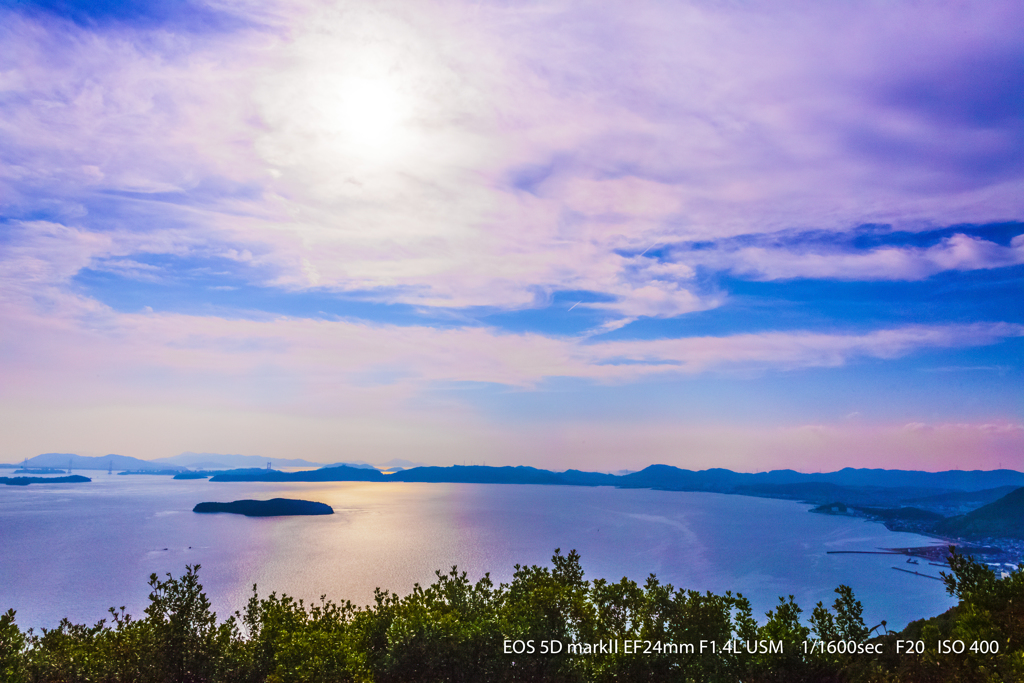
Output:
(75, 550)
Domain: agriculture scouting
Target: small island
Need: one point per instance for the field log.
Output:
(25, 481)
(275, 507)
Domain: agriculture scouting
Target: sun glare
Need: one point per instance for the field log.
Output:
(344, 99)
(371, 109)
(328, 118)
(369, 112)
(364, 117)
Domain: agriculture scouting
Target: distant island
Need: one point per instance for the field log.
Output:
(930, 503)
(948, 505)
(25, 481)
(258, 474)
(275, 507)
(341, 473)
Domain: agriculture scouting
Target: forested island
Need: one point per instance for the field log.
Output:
(548, 624)
(25, 481)
(275, 507)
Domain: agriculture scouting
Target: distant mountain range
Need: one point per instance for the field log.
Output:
(102, 462)
(222, 461)
(188, 460)
(883, 495)
(182, 462)
(902, 484)
(860, 486)
(665, 476)
(225, 461)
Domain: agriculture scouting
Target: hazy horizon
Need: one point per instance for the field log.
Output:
(394, 461)
(753, 236)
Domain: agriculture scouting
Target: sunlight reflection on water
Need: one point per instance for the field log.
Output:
(74, 551)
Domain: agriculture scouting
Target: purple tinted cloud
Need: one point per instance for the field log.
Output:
(765, 260)
(642, 125)
(470, 156)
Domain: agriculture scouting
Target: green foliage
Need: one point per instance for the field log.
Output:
(458, 631)
(179, 641)
(445, 632)
(844, 623)
(969, 580)
(187, 645)
(544, 604)
(12, 647)
(283, 640)
(991, 611)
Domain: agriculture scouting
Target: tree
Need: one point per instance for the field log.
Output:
(12, 647)
(187, 644)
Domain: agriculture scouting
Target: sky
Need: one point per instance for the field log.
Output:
(566, 234)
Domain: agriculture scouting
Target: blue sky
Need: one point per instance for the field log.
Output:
(563, 234)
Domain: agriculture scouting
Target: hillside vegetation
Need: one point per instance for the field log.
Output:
(1002, 518)
(458, 631)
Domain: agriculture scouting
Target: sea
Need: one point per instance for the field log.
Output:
(74, 550)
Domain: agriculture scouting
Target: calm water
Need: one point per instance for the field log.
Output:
(75, 550)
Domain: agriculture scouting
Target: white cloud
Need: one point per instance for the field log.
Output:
(792, 350)
(959, 252)
(323, 358)
(388, 147)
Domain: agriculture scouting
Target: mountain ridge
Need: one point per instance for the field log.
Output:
(783, 483)
(98, 462)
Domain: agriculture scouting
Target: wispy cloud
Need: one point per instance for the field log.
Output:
(459, 157)
(791, 350)
(959, 252)
(330, 353)
(386, 148)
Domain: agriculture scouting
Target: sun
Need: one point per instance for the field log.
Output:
(346, 103)
(365, 116)
(370, 110)
(326, 117)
